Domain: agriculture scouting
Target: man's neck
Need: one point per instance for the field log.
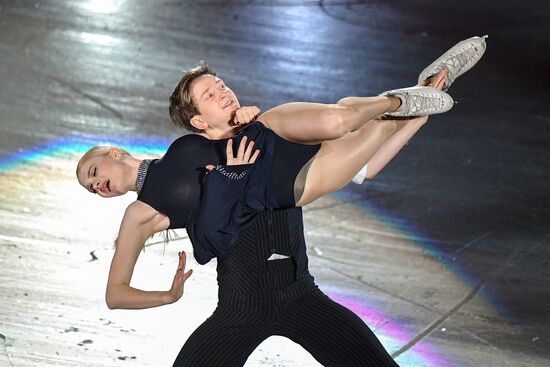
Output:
(220, 134)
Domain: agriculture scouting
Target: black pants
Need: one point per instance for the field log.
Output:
(333, 335)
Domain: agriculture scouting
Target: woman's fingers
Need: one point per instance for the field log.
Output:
(176, 291)
(242, 146)
(246, 157)
(182, 261)
(245, 153)
(181, 267)
(229, 150)
(248, 152)
(187, 275)
(256, 154)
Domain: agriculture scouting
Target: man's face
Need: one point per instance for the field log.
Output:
(216, 103)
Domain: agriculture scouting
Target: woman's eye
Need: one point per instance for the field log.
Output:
(95, 171)
(210, 95)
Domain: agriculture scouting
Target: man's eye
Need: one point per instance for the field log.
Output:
(210, 95)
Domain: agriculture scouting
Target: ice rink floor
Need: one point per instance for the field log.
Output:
(445, 255)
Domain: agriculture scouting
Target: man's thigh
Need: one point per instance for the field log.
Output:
(333, 334)
(225, 339)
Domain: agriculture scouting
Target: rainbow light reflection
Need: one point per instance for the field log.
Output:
(351, 196)
(79, 145)
(390, 334)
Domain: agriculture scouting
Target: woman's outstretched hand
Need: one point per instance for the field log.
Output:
(244, 154)
(179, 279)
(245, 114)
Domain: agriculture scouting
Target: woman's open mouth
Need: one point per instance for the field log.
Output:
(106, 187)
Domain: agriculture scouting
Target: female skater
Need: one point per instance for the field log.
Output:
(108, 171)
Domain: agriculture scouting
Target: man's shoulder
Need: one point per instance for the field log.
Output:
(190, 138)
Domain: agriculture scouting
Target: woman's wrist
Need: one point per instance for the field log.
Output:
(168, 297)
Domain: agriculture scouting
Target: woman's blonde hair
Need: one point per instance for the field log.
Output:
(96, 151)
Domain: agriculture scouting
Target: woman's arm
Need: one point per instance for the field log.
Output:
(139, 223)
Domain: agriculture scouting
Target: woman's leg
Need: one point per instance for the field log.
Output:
(337, 161)
(406, 129)
(311, 123)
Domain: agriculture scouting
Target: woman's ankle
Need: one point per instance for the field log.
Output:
(395, 102)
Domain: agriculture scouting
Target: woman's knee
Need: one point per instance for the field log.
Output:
(381, 129)
(338, 120)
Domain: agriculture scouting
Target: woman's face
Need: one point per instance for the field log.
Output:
(215, 101)
(105, 175)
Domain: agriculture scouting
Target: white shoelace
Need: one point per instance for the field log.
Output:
(460, 60)
(420, 103)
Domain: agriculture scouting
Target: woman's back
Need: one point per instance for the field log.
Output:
(172, 185)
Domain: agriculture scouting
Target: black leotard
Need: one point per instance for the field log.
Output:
(216, 207)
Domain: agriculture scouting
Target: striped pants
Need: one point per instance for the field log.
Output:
(333, 335)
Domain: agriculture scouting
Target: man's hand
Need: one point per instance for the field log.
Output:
(246, 114)
(437, 80)
(244, 154)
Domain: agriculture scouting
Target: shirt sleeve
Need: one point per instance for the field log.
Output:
(220, 214)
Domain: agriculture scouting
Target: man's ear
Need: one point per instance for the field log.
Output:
(198, 123)
(115, 153)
